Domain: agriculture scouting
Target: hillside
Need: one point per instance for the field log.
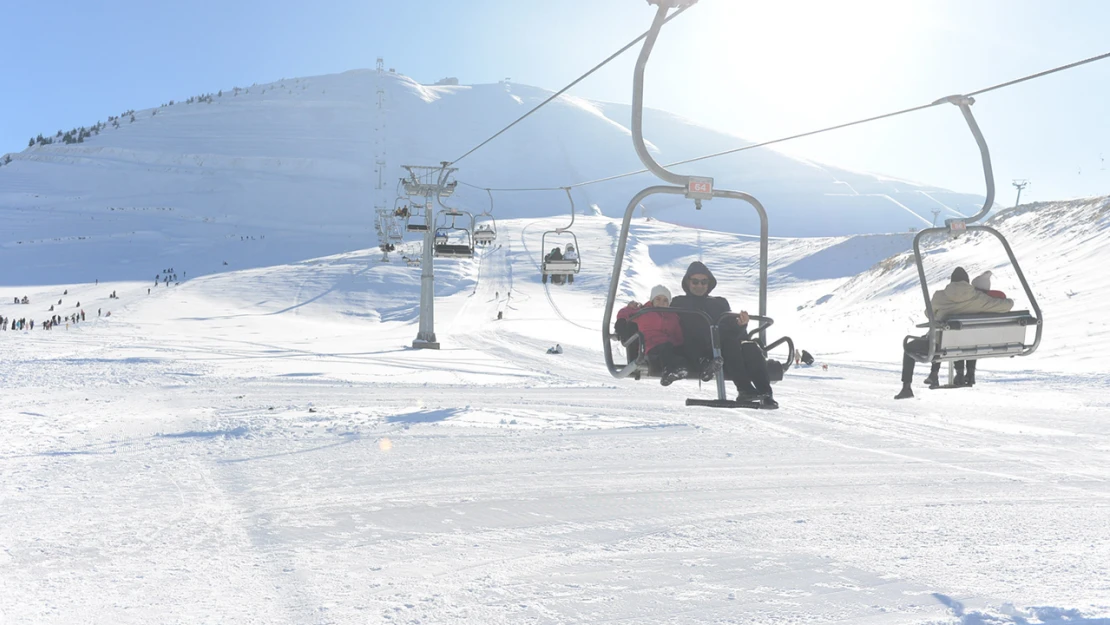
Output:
(260, 445)
(296, 157)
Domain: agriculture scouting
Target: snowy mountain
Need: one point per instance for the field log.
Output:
(300, 152)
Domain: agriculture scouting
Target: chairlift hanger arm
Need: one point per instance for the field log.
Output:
(965, 102)
(638, 98)
(569, 197)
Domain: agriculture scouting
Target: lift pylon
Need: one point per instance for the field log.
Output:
(425, 182)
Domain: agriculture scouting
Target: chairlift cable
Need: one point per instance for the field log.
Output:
(567, 88)
(814, 132)
(1040, 74)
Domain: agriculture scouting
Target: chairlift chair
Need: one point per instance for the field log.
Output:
(563, 269)
(395, 234)
(456, 241)
(417, 219)
(486, 232)
(697, 189)
(983, 335)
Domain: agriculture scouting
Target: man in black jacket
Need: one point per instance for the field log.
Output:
(744, 361)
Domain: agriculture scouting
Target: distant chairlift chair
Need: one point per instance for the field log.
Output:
(486, 232)
(453, 241)
(564, 269)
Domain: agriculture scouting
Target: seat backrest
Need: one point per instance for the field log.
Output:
(556, 266)
(984, 335)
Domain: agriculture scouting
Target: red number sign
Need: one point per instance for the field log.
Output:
(698, 186)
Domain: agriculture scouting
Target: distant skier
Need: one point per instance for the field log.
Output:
(558, 349)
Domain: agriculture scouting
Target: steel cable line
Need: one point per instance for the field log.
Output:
(944, 100)
(567, 88)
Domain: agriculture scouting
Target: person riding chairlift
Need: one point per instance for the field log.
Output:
(742, 359)
(554, 254)
(572, 254)
(958, 298)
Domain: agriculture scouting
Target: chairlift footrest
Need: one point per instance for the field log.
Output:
(723, 403)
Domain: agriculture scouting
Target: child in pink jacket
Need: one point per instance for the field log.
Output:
(663, 337)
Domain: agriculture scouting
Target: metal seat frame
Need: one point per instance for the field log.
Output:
(697, 189)
(975, 336)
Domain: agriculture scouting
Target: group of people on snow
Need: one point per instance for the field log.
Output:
(9, 324)
(960, 297)
(557, 253)
(54, 320)
(165, 277)
(681, 346)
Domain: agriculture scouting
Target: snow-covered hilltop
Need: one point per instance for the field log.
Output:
(301, 151)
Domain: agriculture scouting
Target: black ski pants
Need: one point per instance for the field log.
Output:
(667, 357)
(625, 330)
(744, 364)
(921, 346)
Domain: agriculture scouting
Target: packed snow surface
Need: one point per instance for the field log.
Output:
(258, 444)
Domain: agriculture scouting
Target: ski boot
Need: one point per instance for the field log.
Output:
(670, 375)
(709, 368)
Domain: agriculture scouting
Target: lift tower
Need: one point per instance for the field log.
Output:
(380, 150)
(1019, 185)
(425, 182)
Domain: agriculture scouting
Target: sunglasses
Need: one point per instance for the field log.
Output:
(706, 281)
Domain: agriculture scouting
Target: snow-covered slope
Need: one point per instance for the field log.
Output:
(258, 445)
(299, 154)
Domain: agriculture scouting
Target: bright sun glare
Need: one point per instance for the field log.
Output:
(800, 51)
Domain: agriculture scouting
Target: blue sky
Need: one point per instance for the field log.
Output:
(756, 71)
